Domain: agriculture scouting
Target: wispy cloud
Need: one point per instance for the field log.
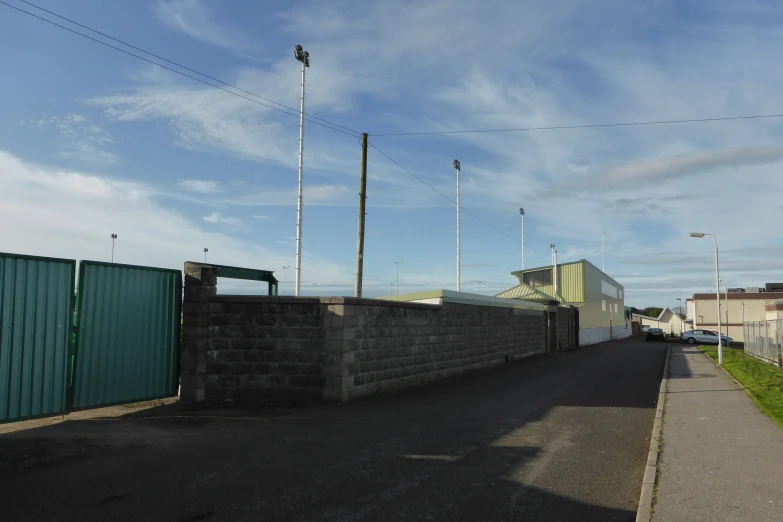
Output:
(79, 138)
(195, 19)
(200, 186)
(217, 217)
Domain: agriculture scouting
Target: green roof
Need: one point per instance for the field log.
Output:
(528, 293)
(525, 293)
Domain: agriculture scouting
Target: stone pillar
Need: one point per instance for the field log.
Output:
(200, 287)
(339, 346)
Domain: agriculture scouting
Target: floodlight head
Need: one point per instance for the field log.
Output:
(456, 164)
(300, 54)
(522, 211)
(114, 236)
(697, 234)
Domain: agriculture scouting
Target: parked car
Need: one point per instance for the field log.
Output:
(655, 334)
(705, 337)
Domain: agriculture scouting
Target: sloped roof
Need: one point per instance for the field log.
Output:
(659, 315)
(526, 293)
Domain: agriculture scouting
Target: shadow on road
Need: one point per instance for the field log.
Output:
(558, 438)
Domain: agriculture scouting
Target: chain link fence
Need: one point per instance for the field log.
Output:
(764, 341)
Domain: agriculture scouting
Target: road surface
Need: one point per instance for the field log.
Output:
(556, 438)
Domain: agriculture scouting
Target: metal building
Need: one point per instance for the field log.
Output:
(599, 298)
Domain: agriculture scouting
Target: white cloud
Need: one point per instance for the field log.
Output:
(74, 214)
(217, 217)
(195, 19)
(643, 173)
(79, 139)
(200, 186)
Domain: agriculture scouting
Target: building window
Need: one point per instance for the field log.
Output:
(538, 278)
(603, 305)
(615, 308)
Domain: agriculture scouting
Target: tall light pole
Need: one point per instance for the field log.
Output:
(479, 285)
(285, 277)
(205, 254)
(113, 237)
(304, 58)
(603, 252)
(398, 263)
(457, 168)
(717, 291)
(522, 213)
(392, 285)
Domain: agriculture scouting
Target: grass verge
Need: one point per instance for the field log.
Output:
(763, 381)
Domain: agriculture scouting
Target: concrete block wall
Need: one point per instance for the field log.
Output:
(390, 345)
(249, 348)
(262, 348)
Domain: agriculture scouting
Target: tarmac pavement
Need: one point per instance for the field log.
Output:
(562, 437)
(722, 458)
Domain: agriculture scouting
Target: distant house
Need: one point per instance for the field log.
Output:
(599, 298)
(668, 321)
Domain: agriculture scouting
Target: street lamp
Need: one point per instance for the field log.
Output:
(304, 58)
(726, 288)
(113, 237)
(457, 168)
(679, 314)
(479, 286)
(717, 293)
(398, 263)
(285, 278)
(205, 254)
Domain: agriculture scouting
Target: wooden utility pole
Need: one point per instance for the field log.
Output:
(362, 214)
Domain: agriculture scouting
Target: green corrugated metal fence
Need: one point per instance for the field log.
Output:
(36, 311)
(128, 334)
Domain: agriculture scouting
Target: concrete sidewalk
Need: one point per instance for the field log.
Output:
(722, 458)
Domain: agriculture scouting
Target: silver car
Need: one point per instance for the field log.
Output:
(705, 337)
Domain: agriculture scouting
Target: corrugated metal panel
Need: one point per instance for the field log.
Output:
(36, 313)
(128, 334)
(570, 282)
(525, 293)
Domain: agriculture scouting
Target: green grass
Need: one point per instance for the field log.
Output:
(763, 381)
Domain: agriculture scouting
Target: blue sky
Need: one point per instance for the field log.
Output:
(94, 142)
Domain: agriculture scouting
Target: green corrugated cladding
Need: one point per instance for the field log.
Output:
(128, 334)
(36, 308)
(570, 282)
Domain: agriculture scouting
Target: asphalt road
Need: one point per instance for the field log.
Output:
(557, 438)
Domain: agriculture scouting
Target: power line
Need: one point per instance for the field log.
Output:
(449, 199)
(352, 133)
(588, 126)
(184, 67)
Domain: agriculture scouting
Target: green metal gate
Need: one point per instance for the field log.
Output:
(127, 334)
(36, 311)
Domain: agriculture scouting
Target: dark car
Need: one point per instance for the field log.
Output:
(655, 334)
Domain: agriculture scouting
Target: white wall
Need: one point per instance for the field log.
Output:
(588, 336)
